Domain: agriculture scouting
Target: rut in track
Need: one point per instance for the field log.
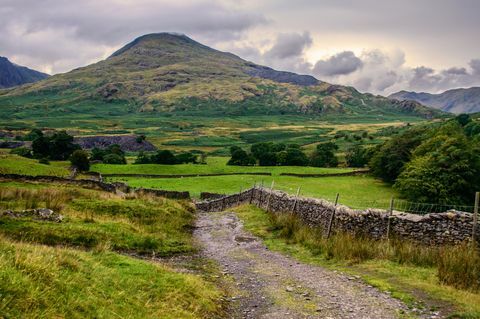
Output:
(271, 285)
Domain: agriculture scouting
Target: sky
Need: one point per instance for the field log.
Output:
(377, 46)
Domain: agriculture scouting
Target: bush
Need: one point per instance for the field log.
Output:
(114, 149)
(114, 159)
(80, 160)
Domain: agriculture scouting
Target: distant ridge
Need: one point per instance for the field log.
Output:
(169, 73)
(455, 101)
(12, 75)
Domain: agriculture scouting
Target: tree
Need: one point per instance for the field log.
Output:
(164, 157)
(259, 149)
(267, 159)
(34, 133)
(356, 156)
(41, 147)
(97, 154)
(61, 146)
(472, 129)
(240, 157)
(324, 155)
(186, 157)
(445, 168)
(295, 157)
(114, 159)
(389, 160)
(463, 119)
(143, 158)
(79, 159)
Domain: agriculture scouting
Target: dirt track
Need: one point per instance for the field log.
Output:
(271, 285)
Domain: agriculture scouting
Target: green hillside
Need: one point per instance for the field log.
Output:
(167, 74)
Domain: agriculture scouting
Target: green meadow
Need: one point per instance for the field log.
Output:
(81, 267)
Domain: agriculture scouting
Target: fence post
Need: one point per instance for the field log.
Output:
(253, 192)
(332, 216)
(295, 201)
(390, 212)
(270, 196)
(475, 218)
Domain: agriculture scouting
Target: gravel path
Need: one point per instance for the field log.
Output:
(271, 285)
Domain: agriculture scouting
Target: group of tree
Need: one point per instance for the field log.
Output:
(166, 157)
(280, 154)
(439, 163)
(113, 154)
(57, 146)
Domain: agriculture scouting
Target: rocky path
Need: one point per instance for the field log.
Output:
(271, 285)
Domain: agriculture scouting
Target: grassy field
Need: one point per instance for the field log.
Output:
(76, 268)
(409, 272)
(356, 191)
(14, 164)
(215, 165)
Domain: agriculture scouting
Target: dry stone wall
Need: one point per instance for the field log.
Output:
(94, 184)
(452, 227)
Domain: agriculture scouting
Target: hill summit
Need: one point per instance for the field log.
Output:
(173, 74)
(13, 75)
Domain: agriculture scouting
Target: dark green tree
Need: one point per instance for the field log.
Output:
(240, 158)
(356, 156)
(444, 169)
(61, 146)
(164, 157)
(143, 158)
(79, 159)
(114, 159)
(97, 154)
(295, 157)
(389, 160)
(324, 155)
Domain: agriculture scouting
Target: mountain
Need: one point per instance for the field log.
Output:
(171, 74)
(13, 75)
(454, 101)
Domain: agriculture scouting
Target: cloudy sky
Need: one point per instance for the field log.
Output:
(378, 46)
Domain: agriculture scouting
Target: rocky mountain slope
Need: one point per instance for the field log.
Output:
(454, 101)
(12, 75)
(168, 73)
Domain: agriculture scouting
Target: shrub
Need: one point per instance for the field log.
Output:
(114, 159)
(80, 160)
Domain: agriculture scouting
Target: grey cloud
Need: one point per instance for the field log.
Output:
(340, 64)
(61, 34)
(289, 45)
